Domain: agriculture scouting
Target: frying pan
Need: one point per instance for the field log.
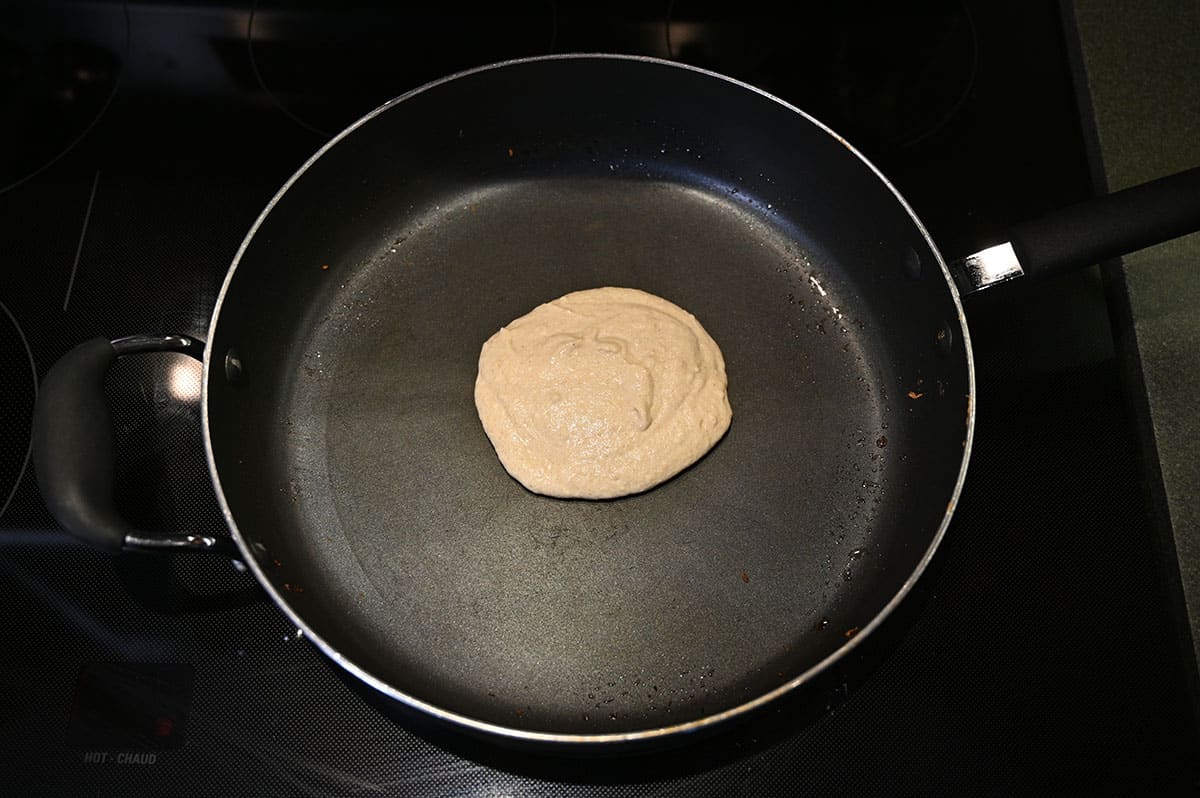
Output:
(364, 495)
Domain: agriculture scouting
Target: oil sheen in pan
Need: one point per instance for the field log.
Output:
(594, 616)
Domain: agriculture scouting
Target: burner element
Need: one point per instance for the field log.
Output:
(56, 82)
(903, 73)
(16, 406)
(325, 68)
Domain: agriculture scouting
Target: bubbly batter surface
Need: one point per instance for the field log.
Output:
(601, 393)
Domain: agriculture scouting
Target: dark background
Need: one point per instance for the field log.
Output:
(139, 142)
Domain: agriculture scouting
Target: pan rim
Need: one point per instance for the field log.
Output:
(580, 739)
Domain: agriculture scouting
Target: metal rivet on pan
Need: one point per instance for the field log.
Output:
(233, 367)
(944, 339)
(912, 263)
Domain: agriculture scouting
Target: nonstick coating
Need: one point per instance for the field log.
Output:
(356, 473)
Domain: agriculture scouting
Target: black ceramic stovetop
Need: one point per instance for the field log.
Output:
(139, 144)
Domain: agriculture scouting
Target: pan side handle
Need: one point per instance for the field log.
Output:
(74, 447)
(1087, 233)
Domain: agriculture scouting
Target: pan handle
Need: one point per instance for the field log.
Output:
(1087, 233)
(74, 448)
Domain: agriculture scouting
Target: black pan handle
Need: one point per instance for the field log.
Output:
(74, 447)
(1087, 233)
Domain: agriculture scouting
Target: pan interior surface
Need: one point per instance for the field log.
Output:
(644, 610)
(351, 456)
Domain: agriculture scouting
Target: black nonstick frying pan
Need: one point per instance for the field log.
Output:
(360, 487)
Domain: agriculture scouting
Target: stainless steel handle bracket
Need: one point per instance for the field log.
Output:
(986, 268)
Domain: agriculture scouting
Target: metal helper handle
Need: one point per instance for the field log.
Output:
(74, 448)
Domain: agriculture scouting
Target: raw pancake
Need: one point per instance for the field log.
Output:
(601, 393)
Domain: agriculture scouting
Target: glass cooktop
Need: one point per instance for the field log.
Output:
(141, 141)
